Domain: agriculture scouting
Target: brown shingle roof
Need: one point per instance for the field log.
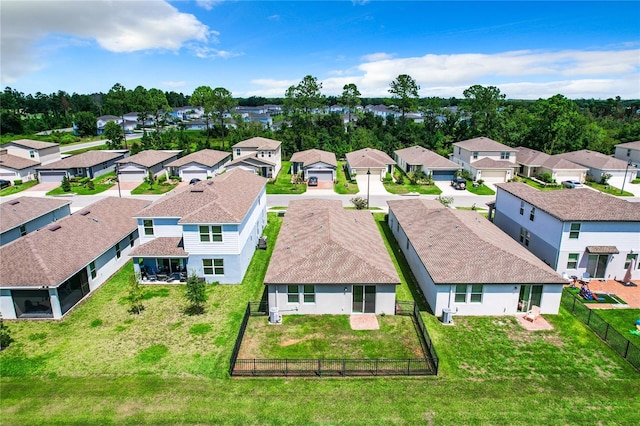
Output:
(490, 163)
(483, 144)
(579, 204)
(162, 246)
(321, 243)
(226, 198)
(312, 156)
(632, 145)
(418, 155)
(24, 209)
(368, 157)
(458, 246)
(85, 159)
(206, 157)
(530, 157)
(251, 160)
(49, 257)
(149, 158)
(558, 163)
(259, 143)
(595, 159)
(28, 143)
(15, 162)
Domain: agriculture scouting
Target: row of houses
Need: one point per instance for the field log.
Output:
(327, 260)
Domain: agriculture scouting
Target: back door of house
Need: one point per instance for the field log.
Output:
(364, 299)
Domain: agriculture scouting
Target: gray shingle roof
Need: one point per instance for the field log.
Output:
(162, 246)
(578, 204)
(594, 159)
(632, 145)
(24, 209)
(368, 157)
(226, 198)
(259, 143)
(149, 158)
(49, 257)
(312, 156)
(530, 157)
(418, 155)
(483, 144)
(458, 246)
(28, 143)
(15, 162)
(558, 163)
(490, 163)
(251, 160)
(206, 157)
(85, 159)
(321, 243)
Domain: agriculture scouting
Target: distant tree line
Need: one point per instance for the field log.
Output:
(552, 125)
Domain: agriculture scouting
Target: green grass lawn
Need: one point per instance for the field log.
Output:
(541, 187)
(93, 148)
(622, 320)
(480, 189)
(102, 365)
(14, 189)
(342, 185)
(283, 185)
(156, 189)
(100, 184)
(407, 188)
(607, 189)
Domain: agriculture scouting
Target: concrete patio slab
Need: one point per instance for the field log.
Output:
(364, 322)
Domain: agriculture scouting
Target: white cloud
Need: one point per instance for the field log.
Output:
(273, 18)
(209, 52)
(208, 4)
(116, 26)
(373, 57)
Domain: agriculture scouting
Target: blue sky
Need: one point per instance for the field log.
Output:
(529, 50)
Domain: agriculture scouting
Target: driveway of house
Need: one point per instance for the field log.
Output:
(448, 190)
(375, 185)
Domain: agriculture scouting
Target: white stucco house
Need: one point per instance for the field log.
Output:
(372, 160)
(23, 215)
(13, 167)
(420, 158)
(573, 230)
(210, 228)
(464, 263)
(629, 151)
(259, 155)
(329, 260)
(46, 273)
(137, 167)
(600, 164)
(315, 162)
(532, 163)
(91, 164)
(41, 152)
(203, 164)
(485, 159)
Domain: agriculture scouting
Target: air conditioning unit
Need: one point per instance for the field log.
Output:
(262, 242)
(274, 316)
(447, 314)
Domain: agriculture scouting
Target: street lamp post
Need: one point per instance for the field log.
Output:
(118, 179)
(625, 177)
(368, 183)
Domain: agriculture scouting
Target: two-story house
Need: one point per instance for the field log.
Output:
(629, 151)
(259, 155)
(24, 215)
(14, 168)
(575, 231)
(485, 159)
(210, 229)
(41, 152)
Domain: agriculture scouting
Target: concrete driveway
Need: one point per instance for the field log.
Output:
(448, 190)
(375, 185)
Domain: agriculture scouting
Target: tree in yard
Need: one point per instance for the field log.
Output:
(150, 179)
(483, 103)
(350, 98)
(203, 97)
(445, 201)
(135, 295)
(196, 295)
(66, 184)
(404, 90)
(113, 134)
(359, 203)
(221, 103)
(86, 123)
(5, 334)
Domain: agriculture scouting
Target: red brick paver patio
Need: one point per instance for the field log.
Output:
(630, 294)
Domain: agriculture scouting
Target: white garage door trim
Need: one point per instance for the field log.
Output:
(322, 175)
(193, 174)
(131, 176)
(493, 175)
(51, 176)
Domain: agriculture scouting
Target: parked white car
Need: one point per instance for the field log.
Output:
(571, 184)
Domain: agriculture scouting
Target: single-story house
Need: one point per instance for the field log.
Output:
(24, 215)
(464, 263)
(419, 158)
(42, 152)
(575, 231)
(46, 273)
(532, 163)
(485, 159)
(13, 167)
(137, 167)
(202, 164)
(629, 151)
(600, 164)
(315, 162)
(329, 260)
(369, 160)
(91, 164)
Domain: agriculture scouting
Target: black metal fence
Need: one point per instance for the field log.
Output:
(602, 328)
(426, 366)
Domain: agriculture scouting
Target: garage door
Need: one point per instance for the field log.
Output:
(493, 176)
(51, 176)
(323, 175)
(442, 175)
(187, 175)
(132, 176)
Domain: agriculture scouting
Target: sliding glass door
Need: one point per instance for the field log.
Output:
(364, 299)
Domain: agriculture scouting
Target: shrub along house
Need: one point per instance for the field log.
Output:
(24, 215)
(210, 228)
(329, 260)
(464, 263)
(46, 273)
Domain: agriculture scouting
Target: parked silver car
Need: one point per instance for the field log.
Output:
(571, 184)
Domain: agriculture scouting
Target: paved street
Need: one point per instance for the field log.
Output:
(74, 147)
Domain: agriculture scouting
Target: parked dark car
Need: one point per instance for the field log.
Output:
(4, 184)
(459, 183)
(313, 181)
(194, 180)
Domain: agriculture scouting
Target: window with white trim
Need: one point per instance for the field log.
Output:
(213, 266)
(476, 293)
(574, 231)
(147, 224)
(238, 152)
(461, 293)
(532, 214)
(118, 250)
(23, 230)
(210, 233)
(475, 155)
(521, 208)
(132, 240)
(293, 296)
(32, 154)
(525, 236)
(631, 257)
(92, 269)
(309, 293)
(572, 260)
(504, 155)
